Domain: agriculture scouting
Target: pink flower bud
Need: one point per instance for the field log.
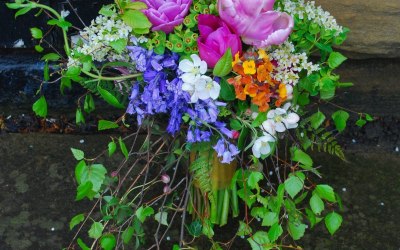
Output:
(165, 178)
(167, 189)
(114, 173)
(235, 134)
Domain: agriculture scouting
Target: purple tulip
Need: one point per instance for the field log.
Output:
(215, 38)
(166, 14)
(256, 21)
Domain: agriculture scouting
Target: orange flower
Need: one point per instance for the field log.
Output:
(237, 59)
(262, 54)
(262, 73)
(249, 67)
(282, 91)
(251, 89)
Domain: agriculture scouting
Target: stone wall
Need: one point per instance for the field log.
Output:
(375, 26)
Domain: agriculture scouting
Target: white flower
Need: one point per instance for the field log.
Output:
(262, 145)
(280, 119)
(203, 88)
(65, 13)
(192, 70)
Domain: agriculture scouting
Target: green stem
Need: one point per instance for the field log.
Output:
(214, 208)
(235, 201)
(55, 13)
(106, 78)
(225, 208)
(220, 204)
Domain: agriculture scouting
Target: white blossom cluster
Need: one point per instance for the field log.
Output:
(98, 36)
(315, 14)
(290, 64)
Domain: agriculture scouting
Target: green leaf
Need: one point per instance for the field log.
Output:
(36, 33)
(46, 70)
(317, 119)
(161, 217)
(143, 212)
(79, 169)
(259, 241)
(94, 174)
(300, 156)
(39, 48)
(76, 220)
(345, 84)
(369, 117)
(195, 228)
(235, 124)
(297, 230)
(274, 232)
(224, 64)
(261, 117)
(333, 221)
(96, 230)
(79, 118)
(88, 104)
(123, 148)
(40, 107)
(335, 59)
(51, 57)
(82, 244)
(227, 92)
(136, 19)
(316, 204)
(270, 218)
(78, 154)
(104, 125)
(340, 118)
(294, 184)
(127, 234)
(325, 192)
(22, 11)
(84, 190)
(136, 6)
(242, 138)
(119, 45)
(253, 179)
(361, 122)
(112, 146)
(108, 242)
(109, 98)
(244, 229)
(207, 228)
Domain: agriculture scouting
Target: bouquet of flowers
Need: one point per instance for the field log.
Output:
(227, 94)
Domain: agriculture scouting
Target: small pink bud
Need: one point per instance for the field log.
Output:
(235, 134)
(114, 173)
(166, 189)
(165, 178)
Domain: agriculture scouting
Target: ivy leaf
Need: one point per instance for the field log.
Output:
(40, 107)
(143, 212)
(96, 230)
(325, 192)
(78, 154)
(127, 234)
(195, 228)
(161, 217)
(108, 242)
(259, 241)
(294, 184)
(36, 33)
(253, 179)
(317, 119)
(297, 230)
(340, 118)
(274, 232)
(335, 59)
(76, 220)
(104, 125)
(333, 221)
(224, 64)
(316, 204)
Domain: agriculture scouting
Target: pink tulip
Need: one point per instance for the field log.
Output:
(215, 38)
(166, 14)
(256, 21)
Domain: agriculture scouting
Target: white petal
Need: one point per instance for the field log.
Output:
(256, 149)
(280, 127)
(266, 149)
(280, 111)
(187, 87)
(203, 95)
(269, 127)
(185, 65)
(214, 93)
(189, 78)
(203, 67)
(194, 98)
(287, 105)
(271, 114)
(196, 60)
(292, 118)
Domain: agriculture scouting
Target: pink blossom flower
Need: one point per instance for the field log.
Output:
(166, 14)
(215, 38)
(165, 178)
(256, 21)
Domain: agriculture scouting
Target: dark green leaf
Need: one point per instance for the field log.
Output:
(108, 242)
(224, 64)
(235, 125)
(112, 146)
(109, 98)
(317, 119)
(227, 92)
(143, 212)
(261, 117)
(274, 232)
(340, 118)
(195, 228)
(127, 234)
(335, 59)
(244, 229)
(89, 103)
(84, 190)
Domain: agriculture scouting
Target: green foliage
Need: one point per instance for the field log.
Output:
(195, 228)
(259, 241)
(108, 242)
(78, 154)
(294, 184)
(40, 107)
(340, 118)
(143, 212)
(96, 230)
(333, 221)
(76, 220)
(224, 64)
(104, 125)
(227, 92)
